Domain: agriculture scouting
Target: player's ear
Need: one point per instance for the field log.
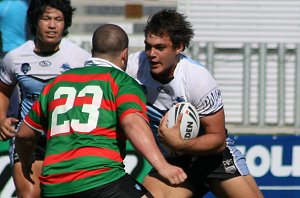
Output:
(124, 56)
(179, 48)
(125, 53)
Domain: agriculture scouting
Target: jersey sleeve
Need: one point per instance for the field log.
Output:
(70, 48)
(6, 73)
(37, 116)
(207, 96)
(131, 99)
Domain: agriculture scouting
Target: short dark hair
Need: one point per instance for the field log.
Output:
(171, 23)
(109, 39)
(37, 8)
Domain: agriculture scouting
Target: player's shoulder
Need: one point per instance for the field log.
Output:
(26, 47)
(67, 44)
(118, 73)
(193, 72)
(190, 63)
(189, 67)
(123, 77)
(19, 52)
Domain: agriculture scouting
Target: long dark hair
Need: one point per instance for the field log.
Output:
(37, 8)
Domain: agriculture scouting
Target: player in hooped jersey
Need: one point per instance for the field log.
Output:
(88, 114)
(211, 160)
(29, 67)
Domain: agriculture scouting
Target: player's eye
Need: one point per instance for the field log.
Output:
(147, 47)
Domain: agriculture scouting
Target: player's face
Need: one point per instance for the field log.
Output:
(162, 56)
(50, 29)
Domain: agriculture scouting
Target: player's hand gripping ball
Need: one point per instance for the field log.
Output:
(190, 123)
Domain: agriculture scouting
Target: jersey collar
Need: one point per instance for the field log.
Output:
(100, 62)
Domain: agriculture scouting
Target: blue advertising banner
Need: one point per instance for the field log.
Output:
(274, 161)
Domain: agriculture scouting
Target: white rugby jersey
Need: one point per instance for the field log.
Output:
(30, 71)
(192, 83)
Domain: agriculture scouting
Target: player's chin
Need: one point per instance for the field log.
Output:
(156, 70)
(51, 40)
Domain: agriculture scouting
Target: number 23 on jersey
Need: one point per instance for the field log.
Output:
(90, 109)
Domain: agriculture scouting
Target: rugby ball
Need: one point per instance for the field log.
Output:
(190, 123)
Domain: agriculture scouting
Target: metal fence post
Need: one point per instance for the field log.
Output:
(281, 84)
(297, 91)
(262, 84)
(195, 50)
(246, 84)
(210, 57)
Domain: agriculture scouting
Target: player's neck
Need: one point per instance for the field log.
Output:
(44, 53)
(163, 79)
(45, 49)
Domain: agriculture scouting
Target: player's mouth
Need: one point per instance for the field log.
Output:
(51, 34)
(155, 64)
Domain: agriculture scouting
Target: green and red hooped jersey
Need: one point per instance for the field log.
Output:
(81, 110)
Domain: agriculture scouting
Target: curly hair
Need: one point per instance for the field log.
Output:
(37, 8)
(171, 23)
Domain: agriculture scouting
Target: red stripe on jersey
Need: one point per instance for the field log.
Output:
(129, 111)
(47, 87)
(37, 108)
(70, 176)
(104, 132)
(81, 152)
(81, 78)
(110, 133)
(108, 105)
(105, 104)
(79, 101)
(55, 103)
(114, 87)
(32, 124)
(135, 99)
(131, 98)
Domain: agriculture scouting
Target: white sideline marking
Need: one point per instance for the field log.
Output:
(279, 187)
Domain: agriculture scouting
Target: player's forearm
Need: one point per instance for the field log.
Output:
(146, 145)
(4, 103)
(5, 93)
(25, 144)
(214, 139)
(140, 135)
(24, 148)
(207, 144)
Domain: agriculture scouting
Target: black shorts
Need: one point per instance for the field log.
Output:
(200, 170)
(125, 187)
